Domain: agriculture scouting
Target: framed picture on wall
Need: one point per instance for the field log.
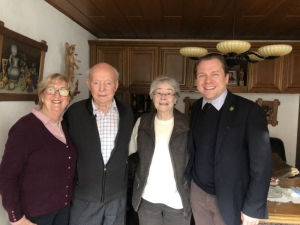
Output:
(232, 80)
(270, 109)
(21, 66)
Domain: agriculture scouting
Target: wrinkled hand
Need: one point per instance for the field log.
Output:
(247, 220)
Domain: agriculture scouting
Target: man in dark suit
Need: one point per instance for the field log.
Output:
(230, 153)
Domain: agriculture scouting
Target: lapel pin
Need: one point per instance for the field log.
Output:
(231, 108)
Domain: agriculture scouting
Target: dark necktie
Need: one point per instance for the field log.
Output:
(206, 107)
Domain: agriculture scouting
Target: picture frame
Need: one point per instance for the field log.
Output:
(232, 80)
(270, 109)
(21, 65)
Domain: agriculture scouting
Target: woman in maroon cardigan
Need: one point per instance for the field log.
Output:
(39, 160)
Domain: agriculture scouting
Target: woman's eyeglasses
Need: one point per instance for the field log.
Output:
(167, 95)
(52, 90)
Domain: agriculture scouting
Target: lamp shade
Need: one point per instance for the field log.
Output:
(233, 46)
(193, 52)
(275, 50)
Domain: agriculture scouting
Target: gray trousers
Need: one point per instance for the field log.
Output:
(160, 214)
(89, 213)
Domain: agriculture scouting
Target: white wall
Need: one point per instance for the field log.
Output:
(287, 118)
(38, 20)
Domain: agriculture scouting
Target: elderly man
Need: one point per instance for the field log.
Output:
(100, 128)
(230, 153)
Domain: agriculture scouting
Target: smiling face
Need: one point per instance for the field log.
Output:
(102, 84)
(164, 99)
(211, 79)
(54, 103)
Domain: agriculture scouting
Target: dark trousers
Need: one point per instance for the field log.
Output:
(58, 217)
(89, 213)
(160, 214)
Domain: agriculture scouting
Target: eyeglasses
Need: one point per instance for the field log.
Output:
(167, 95)
(52, 91)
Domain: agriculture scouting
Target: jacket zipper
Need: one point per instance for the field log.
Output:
(104, 167)
(103, 184)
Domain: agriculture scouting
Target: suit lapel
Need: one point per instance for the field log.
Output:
(227, 117)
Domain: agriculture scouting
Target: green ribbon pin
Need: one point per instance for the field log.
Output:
(231, 108)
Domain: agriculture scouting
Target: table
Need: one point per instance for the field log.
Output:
(284, 212)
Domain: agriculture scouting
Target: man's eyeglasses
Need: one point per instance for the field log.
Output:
(52, 90)
(167, 95)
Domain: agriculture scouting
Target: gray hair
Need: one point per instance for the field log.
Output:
(168, 80)
(113, 68)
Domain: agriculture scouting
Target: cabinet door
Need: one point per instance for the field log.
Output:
(142, 66)
(291, 82)
(266, 76)
(173, 64)
(117, 57)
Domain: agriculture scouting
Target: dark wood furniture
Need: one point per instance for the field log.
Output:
(140, 61)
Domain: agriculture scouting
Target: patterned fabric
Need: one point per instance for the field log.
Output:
(107, 127)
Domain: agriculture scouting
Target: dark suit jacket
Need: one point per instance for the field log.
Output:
(242, 159)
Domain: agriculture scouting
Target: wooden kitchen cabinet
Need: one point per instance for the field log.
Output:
(291, 72)
(266, 76)
(281, 75)
(115, 56)
(143, 66)
(140, 61)
(174, 65)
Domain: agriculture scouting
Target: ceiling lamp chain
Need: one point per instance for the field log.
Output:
(236, 51)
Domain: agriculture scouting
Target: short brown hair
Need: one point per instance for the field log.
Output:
(212, 56)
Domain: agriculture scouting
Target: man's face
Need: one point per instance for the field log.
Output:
(103, 85)
(211, 79)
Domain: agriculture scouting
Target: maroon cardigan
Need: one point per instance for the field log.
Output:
(37, 170)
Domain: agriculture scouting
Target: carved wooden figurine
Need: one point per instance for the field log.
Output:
(70, 61)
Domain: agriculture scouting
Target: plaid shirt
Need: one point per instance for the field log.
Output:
(107, 127)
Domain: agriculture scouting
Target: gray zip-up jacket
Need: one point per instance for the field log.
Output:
(178, 153)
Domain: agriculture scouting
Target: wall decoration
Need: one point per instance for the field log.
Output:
(22, 64)
(270, 109)
(241, 77)
(232, 80)
(71, 65)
